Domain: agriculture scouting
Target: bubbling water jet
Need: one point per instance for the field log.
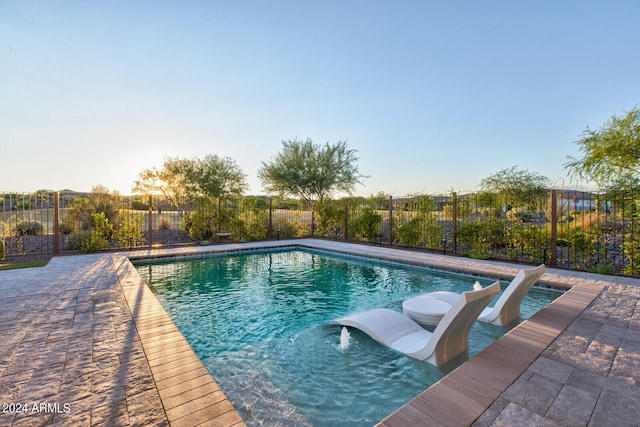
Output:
(345, 339)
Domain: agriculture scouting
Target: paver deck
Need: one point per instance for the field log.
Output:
(85, 342)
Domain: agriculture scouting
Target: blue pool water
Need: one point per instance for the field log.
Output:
(263, 324)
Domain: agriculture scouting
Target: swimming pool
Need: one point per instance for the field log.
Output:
(263, 325)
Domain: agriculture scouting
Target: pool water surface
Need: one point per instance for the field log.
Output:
(264, 325)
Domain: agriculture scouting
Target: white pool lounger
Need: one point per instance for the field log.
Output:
(429, 308)
(448, 340)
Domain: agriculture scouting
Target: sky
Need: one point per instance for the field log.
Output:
(433, 95)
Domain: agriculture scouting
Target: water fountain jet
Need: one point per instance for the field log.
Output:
(345, 339)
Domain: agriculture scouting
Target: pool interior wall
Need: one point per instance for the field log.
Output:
(399, 367)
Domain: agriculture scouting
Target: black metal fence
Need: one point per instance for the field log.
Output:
(598, 232)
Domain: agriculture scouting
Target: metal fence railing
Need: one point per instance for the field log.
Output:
(591, 231)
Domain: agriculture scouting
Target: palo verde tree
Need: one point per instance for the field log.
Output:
(611, 159)
(611, 154)
(310, 171)
(520, 187)
(182, 181)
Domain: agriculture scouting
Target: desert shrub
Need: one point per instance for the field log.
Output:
(515, 215)
(527, 241)
(29, 228)
(94, 239)
(329, 218)
(75, 241)
(463, 210)
(287, 230)
(489, 231)
(480, 250)
(366, 225)
(2, 249)
(631, 248)
(79, 215)
(605, 268)
(164, 223)
(410, 233)
(490, 212)
(200, 223)
(65, 228)
(420, 231)
(252, 225)
(128, 230)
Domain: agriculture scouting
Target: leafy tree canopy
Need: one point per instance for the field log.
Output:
(181, 181)
(311, 171)
(218, 177)
(611, 154)
(519, 186)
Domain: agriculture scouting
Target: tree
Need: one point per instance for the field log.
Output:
(611, 154)
(182, 181)
(174, 181)
(519, 186)
(311, 171)
(218, 177)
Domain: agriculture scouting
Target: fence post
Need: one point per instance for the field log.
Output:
(270, 227)
(150, 222)
(554, 229)
(346, 219)
(454, 222)
(390, 220)
(219, 213)
(56, 222)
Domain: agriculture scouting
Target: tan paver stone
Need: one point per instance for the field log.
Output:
(435, 412)
(155, 353)
(163, 384)
(409, 416)
(200, 408)
(469, 387)
(187, 385)
(552, 369)
(179, 358)
(176, 371)
(572, 407)
(516, 415)
(189, 394)
(459, 406)
(177, 365)
(229, 418)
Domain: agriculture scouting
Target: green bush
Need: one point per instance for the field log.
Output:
(329, 218)
(164, 223)
(287, 230)
(75, 241)
(367, 225)
(29, 228)
(2, 249)
(200, 223)
(65, 228)
(527, 241)
(520, 215)
(480, 250)
(410, 233)
(489, 231)
(252, 225)
(128, 231)
(95, 239)
(420, 231)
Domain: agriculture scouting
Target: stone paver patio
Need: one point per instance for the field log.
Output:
(84, 342)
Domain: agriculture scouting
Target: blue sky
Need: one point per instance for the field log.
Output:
(434, 95)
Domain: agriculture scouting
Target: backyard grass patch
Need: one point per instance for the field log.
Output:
(23, 265)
